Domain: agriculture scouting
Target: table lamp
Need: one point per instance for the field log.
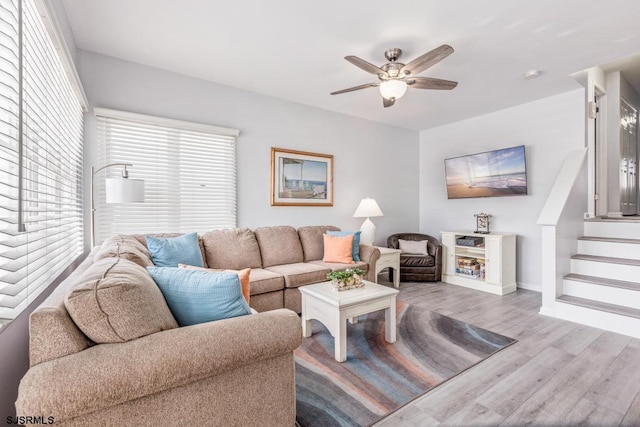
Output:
(366, 209)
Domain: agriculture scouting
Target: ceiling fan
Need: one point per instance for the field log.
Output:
(395, 77)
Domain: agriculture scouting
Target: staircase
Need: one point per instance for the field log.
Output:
(603, 288)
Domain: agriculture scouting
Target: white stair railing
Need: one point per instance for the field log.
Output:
(561, 225)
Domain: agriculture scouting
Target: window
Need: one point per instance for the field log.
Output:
(189, 171)
(41, 125)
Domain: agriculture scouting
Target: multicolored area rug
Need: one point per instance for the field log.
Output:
(379, 377)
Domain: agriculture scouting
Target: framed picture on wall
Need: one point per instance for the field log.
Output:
(300, 178)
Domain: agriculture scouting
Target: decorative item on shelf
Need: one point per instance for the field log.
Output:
(350, 278)
(118, 190)
(470, 267)
(366, 209)
(482, 223)
(471, 241)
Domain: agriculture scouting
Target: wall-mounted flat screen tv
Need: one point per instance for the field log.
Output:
(490, 174)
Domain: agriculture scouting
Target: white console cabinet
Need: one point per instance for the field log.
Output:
(486, 262)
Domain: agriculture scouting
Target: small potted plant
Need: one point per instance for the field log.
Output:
(348, 279)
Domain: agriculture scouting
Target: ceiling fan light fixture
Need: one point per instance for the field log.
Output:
(393, 89)
(394, 77)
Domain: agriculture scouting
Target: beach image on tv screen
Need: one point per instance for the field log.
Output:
(491, 174)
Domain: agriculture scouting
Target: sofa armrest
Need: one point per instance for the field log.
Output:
(108, 374)
(370, 255)
(434, 248)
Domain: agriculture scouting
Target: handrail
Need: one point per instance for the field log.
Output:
(561, 189)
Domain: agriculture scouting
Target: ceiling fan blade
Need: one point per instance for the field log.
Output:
(366, 66)
(427, 60)
(431, 83)
(351, 89)
(388, 102)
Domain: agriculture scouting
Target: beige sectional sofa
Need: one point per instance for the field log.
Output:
(281, 259)
(147, 371)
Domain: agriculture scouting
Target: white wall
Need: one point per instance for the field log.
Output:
(370, 159)
(548, 128)
(62, 23)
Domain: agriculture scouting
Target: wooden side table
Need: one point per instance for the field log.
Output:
(389, 258)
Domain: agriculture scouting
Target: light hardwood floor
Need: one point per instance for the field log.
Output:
(559, 373)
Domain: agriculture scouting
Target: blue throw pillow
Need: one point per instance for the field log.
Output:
(197, 296)
(355, 250)
(171, 251)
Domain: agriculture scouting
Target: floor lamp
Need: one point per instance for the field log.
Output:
(366, 209)
(118, 190)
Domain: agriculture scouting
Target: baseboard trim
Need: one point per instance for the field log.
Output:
(547, 311)
(529, 287)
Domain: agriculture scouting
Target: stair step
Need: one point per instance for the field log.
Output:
(601, 306)
(610, 240)
(614, 247)
(602, 281)
(620, 229)
(607, 290)
(609, 260)
(624, 218)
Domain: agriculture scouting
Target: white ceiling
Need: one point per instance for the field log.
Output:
(294, 49)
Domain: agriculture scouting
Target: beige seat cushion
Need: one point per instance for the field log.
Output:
(311, 240)
(335, 266)
(116, 300)
(279, 245)
(124, 246)
(301, 273)
(263, 281)
(233, 249)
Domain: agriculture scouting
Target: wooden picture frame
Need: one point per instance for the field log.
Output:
(301, 178)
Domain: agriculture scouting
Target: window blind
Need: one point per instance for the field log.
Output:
(41, 125)
(189, 171)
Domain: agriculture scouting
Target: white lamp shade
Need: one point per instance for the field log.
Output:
(124, 190)
(367, 208)
(393, 89)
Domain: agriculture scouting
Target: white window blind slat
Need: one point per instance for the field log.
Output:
(50, 169)
(189, 172)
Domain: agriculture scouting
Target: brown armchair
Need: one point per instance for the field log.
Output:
(418, 268)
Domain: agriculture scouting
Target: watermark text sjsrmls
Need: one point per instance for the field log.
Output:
(27, 420)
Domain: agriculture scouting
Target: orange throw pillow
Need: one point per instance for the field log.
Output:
(242, 274)
(338, 249)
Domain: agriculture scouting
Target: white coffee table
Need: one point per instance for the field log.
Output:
(332, 308)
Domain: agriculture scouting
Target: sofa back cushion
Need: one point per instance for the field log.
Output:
(233, 249)
(116, 300)
(279, 245)
(311, 240)
(124, 246)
